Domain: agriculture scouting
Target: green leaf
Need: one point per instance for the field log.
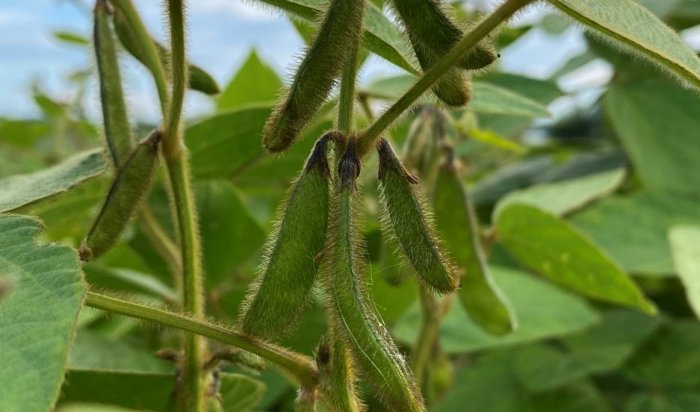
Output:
(117, 278)
(633, 229)
(556, 313)
(619, 21)
(38, 318)
(230, 235)
(550, 246)
(657, 123)
(486, 97)
(685, 247)
(563, 197)
(494, 139)
(674, 401)
(22, 190)
(92, 351)
(222, 144)
(669, 359)
(92, 407)
(70, 37)
(255, 82)
(381, 36)
(493, 99)
(240, 393)
(139, 391)
(492, 384)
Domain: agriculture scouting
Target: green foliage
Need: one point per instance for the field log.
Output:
(23, 190)
(38, 317)
(585, 201)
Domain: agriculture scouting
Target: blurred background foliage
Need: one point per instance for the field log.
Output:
(619, 168)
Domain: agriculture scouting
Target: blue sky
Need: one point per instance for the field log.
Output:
(221, 34)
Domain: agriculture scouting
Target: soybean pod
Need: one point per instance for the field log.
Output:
(406, 220)
(114, 114)
(281, 291)
(350, 308)
(337, 37)
(128, 189)
(433, 32)
(199, 79)
(456, 220)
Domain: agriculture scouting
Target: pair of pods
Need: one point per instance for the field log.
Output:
(136, 166)
(432, 34)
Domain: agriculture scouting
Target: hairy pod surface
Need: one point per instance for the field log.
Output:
(128, 189)
(351, 310)
(336, 376)
(337, 37)
(114, 114)
(406, 220)
(199, 80)
(431, 30)
(456, 220)
(281, 291)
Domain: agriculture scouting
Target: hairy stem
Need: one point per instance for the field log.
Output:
(347, 91)
(301, 367)
(468, 42)
(178, 68)
(427, 334)
(140, 31)
(177, 161)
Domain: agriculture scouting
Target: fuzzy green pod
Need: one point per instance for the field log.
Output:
(128, 189)
(350, 308)
(199, 80)
(431, 30)
(456, 220)
(406, 220)
(337, 37)
(280, 293)
(114, 114)
(336, 375)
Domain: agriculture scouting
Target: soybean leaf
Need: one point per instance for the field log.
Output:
(230, 235)
(381, 37)
(492, 384)
(92, 351)
(685, 247)
(255, 82)
(550, 246)
(118, 388)
(657, 123)
(619, 21)
(669, 359)
(667, 401)
(38, 318)
(225, 142)
(493, 99)
(563, 197)
(92, 407)
(556, 313)
(633, 229)
(22, 190)
(240, 393)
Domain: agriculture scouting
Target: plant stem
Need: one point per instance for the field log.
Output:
(178, 68)
(301, 367)
(161, 242)
(177, 160)
(347, 91)
(427, 334)
(488, 24)
(151, 53)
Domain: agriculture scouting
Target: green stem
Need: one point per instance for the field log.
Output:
(301, 367)
(151, 53)
(427, 334)
(471, 39)
(192, 298)
(347, 92)
(178, 68)
(161, 242)
(177, 160)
